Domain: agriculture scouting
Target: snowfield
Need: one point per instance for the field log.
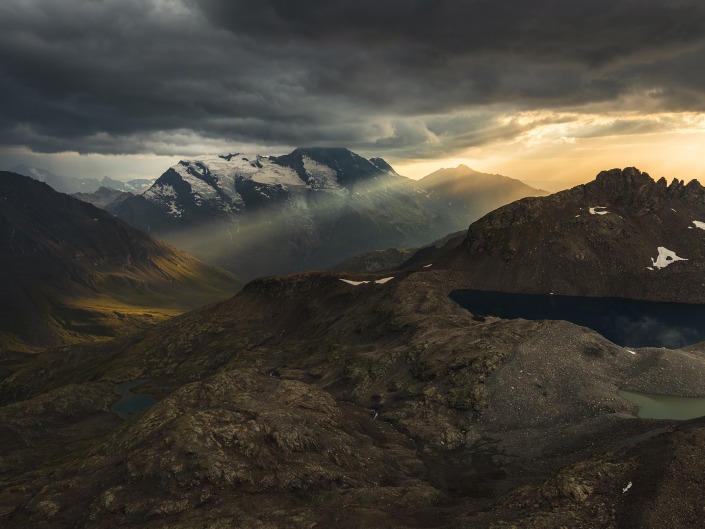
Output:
(665, 258)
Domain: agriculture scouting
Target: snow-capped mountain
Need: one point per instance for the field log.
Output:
(235, 183)
(264, 214)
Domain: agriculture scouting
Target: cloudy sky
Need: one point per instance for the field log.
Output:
(549, 91)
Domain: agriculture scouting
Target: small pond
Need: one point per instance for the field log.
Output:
(130, 403)
(666, 406)
(625, 322)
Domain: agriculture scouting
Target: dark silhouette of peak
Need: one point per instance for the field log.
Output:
(469, 194)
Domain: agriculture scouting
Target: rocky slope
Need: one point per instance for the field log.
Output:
(468, 194)
(622, 235)
(344, 400)
(309, 209)
(71, 271)
(308, 400)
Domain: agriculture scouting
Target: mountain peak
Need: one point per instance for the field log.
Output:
(601, 239)
(629, 177)
(630, 184)
(349, 167)
(382, 164)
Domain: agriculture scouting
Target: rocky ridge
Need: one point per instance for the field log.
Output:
(621, 235)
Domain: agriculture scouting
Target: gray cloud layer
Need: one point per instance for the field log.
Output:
(417, 78)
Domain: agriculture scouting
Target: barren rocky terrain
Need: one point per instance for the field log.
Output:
(347, 400)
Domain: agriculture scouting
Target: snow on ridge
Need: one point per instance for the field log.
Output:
(376, 281)
(354, 283)
(665, 258)
(593, 211)
(699, 224)
(198, 186)
(320, 176)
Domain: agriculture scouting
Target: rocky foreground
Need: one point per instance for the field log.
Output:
(306, 401)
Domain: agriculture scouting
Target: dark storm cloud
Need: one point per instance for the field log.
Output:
(413, 77)
(593, 31)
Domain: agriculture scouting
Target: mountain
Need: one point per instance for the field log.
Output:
(623, 234)
(308, 209)
(104, 197)
(136, 185)
(339, 400)
(469, 194)
(69, 185)
(333, 399)
(63, 184)
(73, 272)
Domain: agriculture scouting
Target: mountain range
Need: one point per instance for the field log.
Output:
(105, 197)
(310, 209)
(72, 272)
(69, 185)
(333, 399)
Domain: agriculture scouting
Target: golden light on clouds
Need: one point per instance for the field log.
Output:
(559, 150)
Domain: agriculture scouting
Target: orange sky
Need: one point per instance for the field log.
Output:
(556, 157)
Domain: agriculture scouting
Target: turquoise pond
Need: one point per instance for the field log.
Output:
(666, 406)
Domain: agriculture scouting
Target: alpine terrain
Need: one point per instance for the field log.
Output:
(622, 235)
(66, 184)
(309, 209)
(71, 272)
(332, 399)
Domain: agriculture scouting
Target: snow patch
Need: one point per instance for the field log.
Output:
(625, 489)
(174, 211)
(199, 187)
(699, 224)
(428, 266)
(357, 283)
(320, 176)
(630, 351)
(665, 258)
(593, 211)
(354, 283)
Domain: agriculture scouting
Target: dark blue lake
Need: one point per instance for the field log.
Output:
(130, 403)
(625, 322)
